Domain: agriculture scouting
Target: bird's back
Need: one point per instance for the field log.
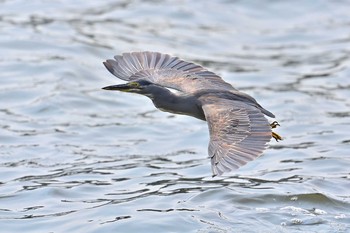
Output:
(233, 95)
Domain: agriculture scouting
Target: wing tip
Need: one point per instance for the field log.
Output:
(108, 66)
(268, 113)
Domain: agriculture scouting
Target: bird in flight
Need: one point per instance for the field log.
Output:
(239, 130)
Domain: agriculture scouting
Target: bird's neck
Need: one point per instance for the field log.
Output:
(178, 103)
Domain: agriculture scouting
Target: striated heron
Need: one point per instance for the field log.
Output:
(238, 129)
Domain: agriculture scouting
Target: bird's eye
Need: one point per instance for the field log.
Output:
(134, 84)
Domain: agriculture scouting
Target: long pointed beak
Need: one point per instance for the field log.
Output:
(120, 87)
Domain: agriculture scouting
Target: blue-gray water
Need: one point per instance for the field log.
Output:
(75, 158)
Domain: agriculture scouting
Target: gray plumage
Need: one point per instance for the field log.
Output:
(238, 129)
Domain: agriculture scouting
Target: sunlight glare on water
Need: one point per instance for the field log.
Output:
(75, 158)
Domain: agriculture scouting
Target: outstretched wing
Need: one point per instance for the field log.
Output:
(165, 70)
(238, 133)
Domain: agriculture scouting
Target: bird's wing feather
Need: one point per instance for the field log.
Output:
(238, 133)
(165, 70)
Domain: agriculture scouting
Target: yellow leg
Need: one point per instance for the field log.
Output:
(276, 136)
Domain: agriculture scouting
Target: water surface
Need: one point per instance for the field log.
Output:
(75, 158)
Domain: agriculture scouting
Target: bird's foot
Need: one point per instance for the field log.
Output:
(274, 124)
(276, 136)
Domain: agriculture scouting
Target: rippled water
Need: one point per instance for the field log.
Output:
(75, 158)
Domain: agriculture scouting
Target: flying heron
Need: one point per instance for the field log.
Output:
(238, 129)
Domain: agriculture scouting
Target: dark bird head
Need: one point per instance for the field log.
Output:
(142, 87)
